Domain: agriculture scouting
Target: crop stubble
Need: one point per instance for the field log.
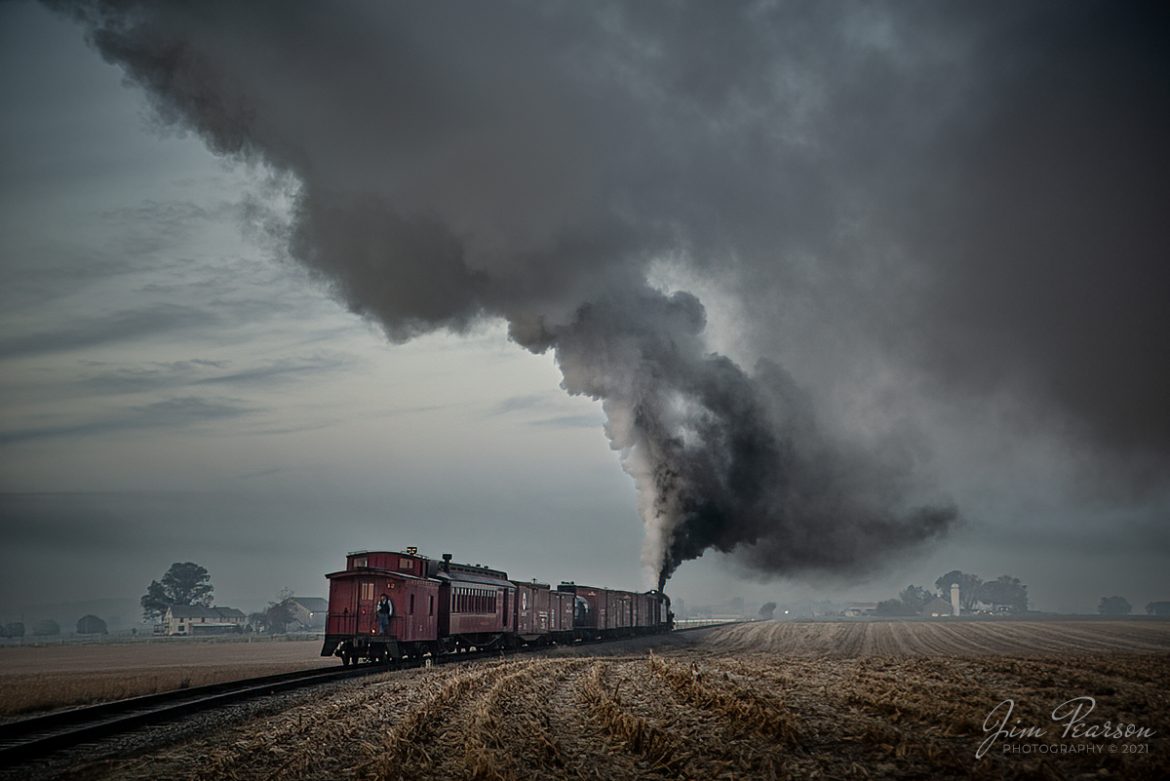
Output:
(772, 700)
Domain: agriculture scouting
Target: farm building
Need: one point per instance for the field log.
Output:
(308, 612)
(186, 620)
(858, 609)
(937, 607)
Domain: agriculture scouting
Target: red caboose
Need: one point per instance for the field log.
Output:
(351, 627)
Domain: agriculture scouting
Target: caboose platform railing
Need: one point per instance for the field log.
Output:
(347, 624)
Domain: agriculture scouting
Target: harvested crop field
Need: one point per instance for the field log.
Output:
(34, 678)
(943, 637)
(765, 700)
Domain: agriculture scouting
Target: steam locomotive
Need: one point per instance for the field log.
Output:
(441, 607)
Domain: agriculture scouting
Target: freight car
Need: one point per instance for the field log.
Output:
(442, 607)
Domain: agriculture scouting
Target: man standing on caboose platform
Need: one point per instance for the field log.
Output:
(385, 610)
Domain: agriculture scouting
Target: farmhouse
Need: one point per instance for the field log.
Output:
(937, 607)
(186, 620)
(308, 612)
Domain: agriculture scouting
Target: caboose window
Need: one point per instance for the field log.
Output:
(367, 591)
(405, 564)
(412, 604)
(430, 604)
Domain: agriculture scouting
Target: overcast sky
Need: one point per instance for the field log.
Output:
(929, 241)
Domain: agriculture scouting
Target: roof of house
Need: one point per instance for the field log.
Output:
(199, 611)
(937, 605)
(312, 604)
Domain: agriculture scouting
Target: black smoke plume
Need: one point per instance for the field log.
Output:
(850, 171)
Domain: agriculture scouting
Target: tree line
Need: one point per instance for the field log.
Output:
(1005, 594)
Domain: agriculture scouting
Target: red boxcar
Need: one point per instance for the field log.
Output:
(560, 612)
(532, 619)
(590, 610)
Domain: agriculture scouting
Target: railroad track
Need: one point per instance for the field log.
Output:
(43, 735)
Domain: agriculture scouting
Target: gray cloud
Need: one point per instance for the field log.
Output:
(168, 413)
(937, 185)
(531, 401)
(117, 327)
(176, 374)
(569, 421)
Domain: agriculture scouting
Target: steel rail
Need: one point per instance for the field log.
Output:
(42, 735)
